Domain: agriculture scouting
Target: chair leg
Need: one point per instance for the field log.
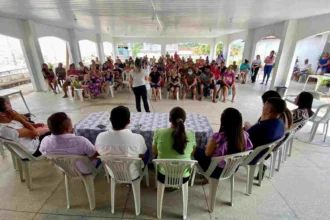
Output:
(136, 193)
(89, 185)
(232, 179)
(81, 97)
(2, 152)
(156, 176)
(290, 147)
(271, 164)
(260, 172)
(313, 132)
(326, 131)
(252, 169)
(14, 161)
(279, 159)
(185, 199)
(26, 165)
(111, 91)
(147, 175)
(213, 193)
(192, 180)
(272, 170)
(160, 195)
(20, 169)
(113, 191)
(67, 191)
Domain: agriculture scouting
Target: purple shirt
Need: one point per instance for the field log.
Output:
(222, 144)
(229, 78)
(69, 144)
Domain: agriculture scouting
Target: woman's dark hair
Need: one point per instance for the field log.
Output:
(246, 61)
(3, 104)
(232, 126)
(138, 65)
(269, 94)
(305, 101)
(177, 118)
(72, 65)
(58, 123)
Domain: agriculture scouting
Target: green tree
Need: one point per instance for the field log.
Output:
(202, 49)
(137, 47)
(219, 48)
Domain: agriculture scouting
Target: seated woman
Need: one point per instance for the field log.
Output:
(230, 139)
(174, 82)
(95, 82)
(174, 142)
(304, 101)
(16, 128)
(71, 72)
(323, 64)
(154, 79)
(49, 76)
(107, 82)
(228, 82)
(244, 69)
(189, 84)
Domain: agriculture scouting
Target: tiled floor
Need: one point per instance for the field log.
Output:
(299, 191)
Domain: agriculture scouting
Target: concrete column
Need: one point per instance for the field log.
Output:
(74, 47)
(212, 50)
(114, 49)
(285, 57)
(33, 55)
(100, 48)
(163, 49)
(248, 46)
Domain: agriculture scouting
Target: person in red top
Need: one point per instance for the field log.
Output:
(216, 71)
(176, 57)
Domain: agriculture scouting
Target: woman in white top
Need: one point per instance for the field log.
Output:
(137, 81)
(256, 64)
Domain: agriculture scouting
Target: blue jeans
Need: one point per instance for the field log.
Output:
(267, 71)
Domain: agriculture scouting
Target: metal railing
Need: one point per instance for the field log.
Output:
(13, 72)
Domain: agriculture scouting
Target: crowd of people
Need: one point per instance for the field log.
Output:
(174, 142)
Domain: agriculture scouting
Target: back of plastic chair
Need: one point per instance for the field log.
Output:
(325, 117)
(259, 149)
(125, 75)
(232, 162)
(174, 170)
(68, 164)
(119, 167)
(18, 150)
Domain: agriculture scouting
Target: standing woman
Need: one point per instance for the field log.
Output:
(137, 81)
(269, 63)
(256, 64)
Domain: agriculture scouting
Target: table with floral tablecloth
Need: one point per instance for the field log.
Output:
(144, 124)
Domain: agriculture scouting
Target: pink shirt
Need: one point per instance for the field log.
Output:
(270, 60)
(69, 144)
(222, 144)
(229, 78)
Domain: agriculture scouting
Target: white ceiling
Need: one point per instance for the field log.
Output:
(186, 18)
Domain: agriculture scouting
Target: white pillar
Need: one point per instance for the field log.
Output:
(285, 57)
(212, 50)
(163, 49)
(114, 49)
(33, 55)
(100, 48)
(74, 47)
(248, 46)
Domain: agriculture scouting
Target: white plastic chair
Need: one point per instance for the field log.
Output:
(120, 173)
(149, 91)
(232, 162)
(220, 93)
(126, 76)
(22, 160)
(320, 120)
(174, 171)
(2, 152)
(68, 165)
(168, 95)
(251, 168)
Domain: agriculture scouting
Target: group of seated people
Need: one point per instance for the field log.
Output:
(299, 71)
(174, 142)
(94, 80)
(198, 78)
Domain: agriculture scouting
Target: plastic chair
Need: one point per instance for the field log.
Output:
(320, 120)
(68, 165)
(251, 168)
(125, 76)
(168, 95)
(149, 91)
(22, 160)
(174, 170)
(232, 162)
(2, 152)
(230, 91)
(118, 169)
